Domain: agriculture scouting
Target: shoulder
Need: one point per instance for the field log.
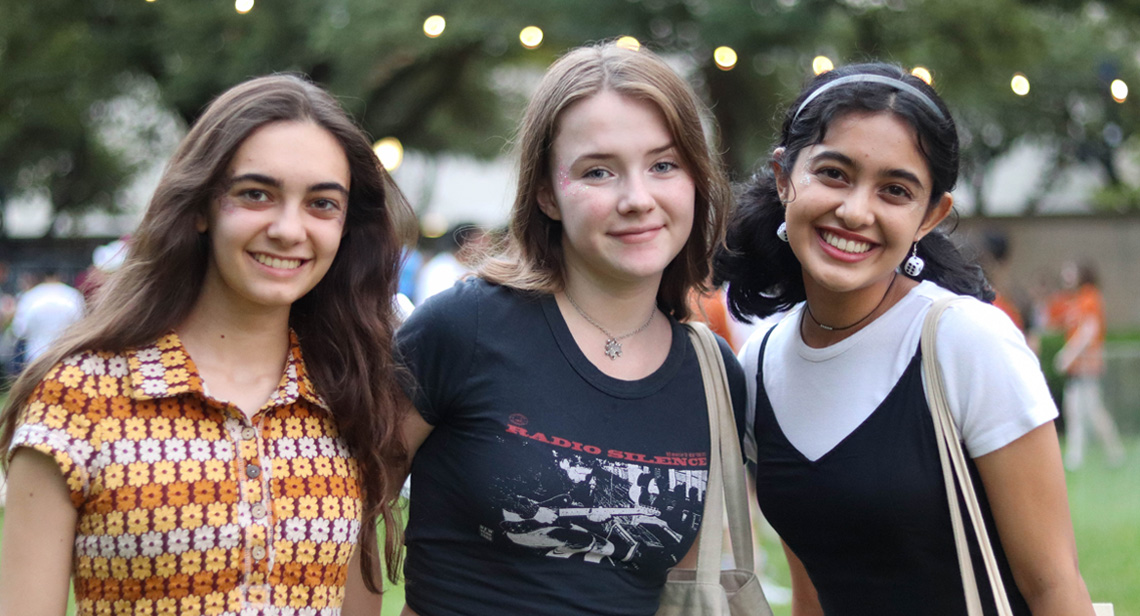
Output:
(969, 319)
(84, 369)
(65, 415)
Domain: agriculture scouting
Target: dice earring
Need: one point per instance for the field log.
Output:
(914, 263)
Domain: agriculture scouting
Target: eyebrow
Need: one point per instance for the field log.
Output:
(602, 155)
(843, 159)
(276, 183)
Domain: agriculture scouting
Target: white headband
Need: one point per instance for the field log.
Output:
(872, 78)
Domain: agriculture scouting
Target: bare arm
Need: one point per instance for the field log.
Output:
(1025, 484)
(416, 431)
(1080, 341)
(805, 601)
(358, 600)
(39, 537)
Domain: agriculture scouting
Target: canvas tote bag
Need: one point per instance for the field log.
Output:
(707, 590)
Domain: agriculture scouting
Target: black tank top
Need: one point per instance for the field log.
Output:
(869, 519)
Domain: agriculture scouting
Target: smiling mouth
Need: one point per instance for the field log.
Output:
(636, 234)
(845, 245)
(277, 263)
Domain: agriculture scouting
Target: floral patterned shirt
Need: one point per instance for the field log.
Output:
(186, 505)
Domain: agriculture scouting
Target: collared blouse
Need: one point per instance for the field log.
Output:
(186, 505)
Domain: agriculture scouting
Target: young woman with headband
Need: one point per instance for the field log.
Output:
(561, 440)
(219, 434)
(840, 230)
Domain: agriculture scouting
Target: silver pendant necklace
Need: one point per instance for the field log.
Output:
(613, 343)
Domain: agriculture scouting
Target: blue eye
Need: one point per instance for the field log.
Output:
(665, 166)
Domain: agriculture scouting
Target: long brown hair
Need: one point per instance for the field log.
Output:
(530, 256)
(345, 323)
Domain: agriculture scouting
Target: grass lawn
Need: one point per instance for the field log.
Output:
(1105, 503)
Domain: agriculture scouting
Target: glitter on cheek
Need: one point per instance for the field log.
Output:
(805, 180)
(563, 178)
(227, 205)
(567, 186)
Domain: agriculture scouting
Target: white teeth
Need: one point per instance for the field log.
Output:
(846, 245)
(277, 263)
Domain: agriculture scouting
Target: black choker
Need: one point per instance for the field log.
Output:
(807, 309)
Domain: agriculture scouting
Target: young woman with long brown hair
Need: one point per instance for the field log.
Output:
(217, 435)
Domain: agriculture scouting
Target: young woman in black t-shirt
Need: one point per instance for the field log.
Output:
(561, 444)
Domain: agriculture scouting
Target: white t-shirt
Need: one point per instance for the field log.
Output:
(440, 273)
(42, 314)
(994, 383)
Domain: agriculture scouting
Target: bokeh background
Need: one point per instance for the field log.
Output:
(94, 95)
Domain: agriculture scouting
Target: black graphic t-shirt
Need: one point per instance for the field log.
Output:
(547, 487)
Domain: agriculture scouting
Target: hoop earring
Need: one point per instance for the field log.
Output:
(914, 263)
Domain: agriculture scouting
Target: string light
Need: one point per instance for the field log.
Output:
(531, 37)
(1019, 84)
(725, 58)
(1119, 90)
(628, 42)
(390, 152)
(243, 6)
(922, 73)
(821, 64)
(434, 25)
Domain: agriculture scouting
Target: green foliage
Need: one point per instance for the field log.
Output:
(60, 59)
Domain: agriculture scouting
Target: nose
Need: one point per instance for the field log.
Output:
(288, 225)
(636, 196)
(855, 211)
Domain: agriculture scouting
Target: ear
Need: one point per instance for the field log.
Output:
(935, 215)
(547, 203)
(201, 225)
(781, 174)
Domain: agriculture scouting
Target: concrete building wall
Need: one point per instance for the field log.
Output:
(1039, 245)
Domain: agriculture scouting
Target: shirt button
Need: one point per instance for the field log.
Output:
(258, 511)
(258, 552)
(252, 471)
(248, 433)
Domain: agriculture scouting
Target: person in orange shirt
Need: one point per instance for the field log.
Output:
(1079, 311)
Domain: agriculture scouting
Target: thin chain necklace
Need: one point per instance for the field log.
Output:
(613, 344)
(807, 309)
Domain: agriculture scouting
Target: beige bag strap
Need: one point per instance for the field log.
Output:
(954, 467)
(726, 483)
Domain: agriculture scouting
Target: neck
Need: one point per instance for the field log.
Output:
(219, 334)
(830, 317)
(620, 308)
(628, 314)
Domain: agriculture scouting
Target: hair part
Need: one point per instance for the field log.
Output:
(529, 256)
(763, 273)
(345, 324)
